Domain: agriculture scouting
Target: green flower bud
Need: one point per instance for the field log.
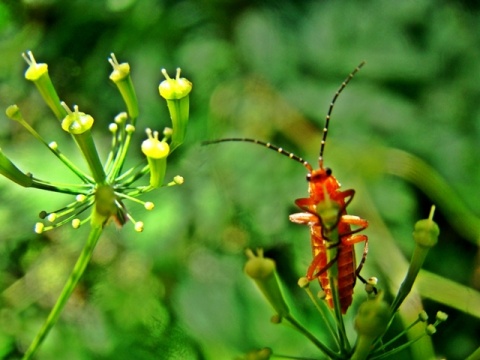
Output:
(13, 112)
(38, 73)
(426, 233)
(371, 321)
(121, 77)
(430, 329)
(262, 271)
(156, 152)
(176, 92)
(372, 318)
(423, 316)
(441, 316)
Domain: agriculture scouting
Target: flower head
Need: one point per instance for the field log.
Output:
(176, 92)
(108, 184)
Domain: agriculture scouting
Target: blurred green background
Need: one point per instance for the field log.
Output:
(265, 70)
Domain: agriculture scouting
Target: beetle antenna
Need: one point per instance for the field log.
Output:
(330, 110)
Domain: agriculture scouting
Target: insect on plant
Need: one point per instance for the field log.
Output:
(333, 232)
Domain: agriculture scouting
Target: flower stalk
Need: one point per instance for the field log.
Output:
(38, 74)
(425, 234)
(77, 272)
(108, 186)
(176, 91)
(262, 271)
(78, 124)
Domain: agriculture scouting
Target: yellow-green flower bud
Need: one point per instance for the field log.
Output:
(176, 92)
(174, 89)
(35, 71)
(121, 77)
(426, 233)
(149, 205)
(76, 122)
(13, 112)
(156, 152)
(39, 227)
(441, 316)
(139, 226)
(262, 271)
(178, 180)
(371, 321)
(76, 223)
(430, 329)
(38, 73)
(423, 316)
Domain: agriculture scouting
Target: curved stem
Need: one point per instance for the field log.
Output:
(67, 291)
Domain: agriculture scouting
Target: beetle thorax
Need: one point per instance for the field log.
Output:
(321, 181)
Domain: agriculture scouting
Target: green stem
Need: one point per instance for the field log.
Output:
(397, 349)
(67, 291)
(475, 355)
(344, 344)
(323, 313)
(61, 188)
(14, 113)
(89, 151)
(416, 263)
(132, 174)
(119, 160)
(398, 336)
(299, 327)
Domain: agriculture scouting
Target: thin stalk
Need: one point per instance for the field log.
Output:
(90, 153)
(134, 171)
(323, 314)
(397, 349)
(17, 116)
(67, 291)
(85, 178)
(299, 327)
(61, 188)
(133, 177)
(398, 336)
(345, 345)
(122, 154)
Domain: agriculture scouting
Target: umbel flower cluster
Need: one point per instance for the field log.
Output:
(107, 185)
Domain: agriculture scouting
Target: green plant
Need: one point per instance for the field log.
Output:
(374, 316)
(107, 185)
